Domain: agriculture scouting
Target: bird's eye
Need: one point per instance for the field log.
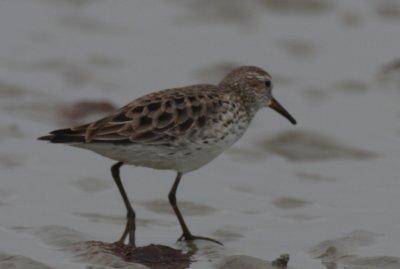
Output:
(268, 83)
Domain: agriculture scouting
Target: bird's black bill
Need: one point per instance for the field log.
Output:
(281, 110)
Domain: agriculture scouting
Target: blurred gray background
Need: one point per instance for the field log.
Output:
(281, 189)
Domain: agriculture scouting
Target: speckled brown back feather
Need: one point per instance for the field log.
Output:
(155, 118)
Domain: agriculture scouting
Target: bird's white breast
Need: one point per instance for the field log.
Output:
(184, 158)
(188, 153)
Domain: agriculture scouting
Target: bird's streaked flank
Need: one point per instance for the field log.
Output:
(178, 129)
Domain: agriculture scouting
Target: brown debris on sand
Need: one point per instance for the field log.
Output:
(282, 261)
(111, 255)
(153, 256)
(243, 261)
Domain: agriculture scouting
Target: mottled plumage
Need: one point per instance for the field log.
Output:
(178, 129)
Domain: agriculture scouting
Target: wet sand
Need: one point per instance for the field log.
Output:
(326, 191)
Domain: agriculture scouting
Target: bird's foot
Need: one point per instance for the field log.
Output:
(190, 237)
(129, 233)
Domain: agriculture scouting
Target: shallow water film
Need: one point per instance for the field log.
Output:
(326, 191)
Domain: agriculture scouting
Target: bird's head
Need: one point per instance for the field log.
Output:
(254, 85)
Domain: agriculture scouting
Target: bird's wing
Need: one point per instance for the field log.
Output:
(156, 118)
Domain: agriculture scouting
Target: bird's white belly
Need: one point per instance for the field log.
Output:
(188, 153)
(178, 159)
(185, 158)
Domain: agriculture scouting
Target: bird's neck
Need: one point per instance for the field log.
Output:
(248, 101)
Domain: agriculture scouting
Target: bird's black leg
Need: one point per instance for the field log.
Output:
(130, 226)
(186, 235)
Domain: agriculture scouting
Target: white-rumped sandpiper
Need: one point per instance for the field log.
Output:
(179, 129)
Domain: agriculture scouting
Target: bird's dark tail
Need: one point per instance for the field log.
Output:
(64, 136)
